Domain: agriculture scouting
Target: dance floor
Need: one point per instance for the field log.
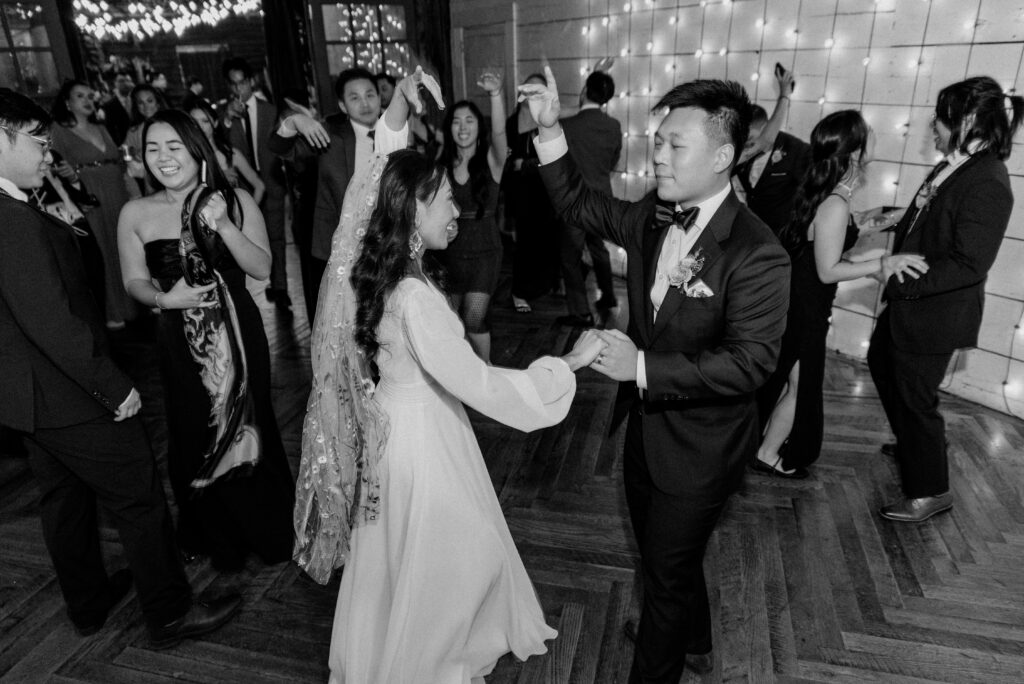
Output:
(807, 583)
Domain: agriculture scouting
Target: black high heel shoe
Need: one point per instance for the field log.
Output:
(776, 471)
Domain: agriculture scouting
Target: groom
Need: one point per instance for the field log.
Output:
(708, 288)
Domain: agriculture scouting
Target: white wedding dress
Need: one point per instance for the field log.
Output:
(434, 591)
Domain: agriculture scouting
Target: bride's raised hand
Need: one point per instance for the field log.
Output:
(409, 88)
(542, 100)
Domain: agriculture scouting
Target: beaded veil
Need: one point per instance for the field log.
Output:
(345, 429)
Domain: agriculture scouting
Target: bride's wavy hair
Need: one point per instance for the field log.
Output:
(838, 143)
(384, 259)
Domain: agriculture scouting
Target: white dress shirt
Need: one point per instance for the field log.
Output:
(677, 243)
(12, 190)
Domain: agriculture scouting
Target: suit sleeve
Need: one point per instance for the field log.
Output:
(33, 290)
(979, 224)
(292, 148)
(757, 300)
(607, 217)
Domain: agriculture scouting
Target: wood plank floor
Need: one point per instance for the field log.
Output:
(807, 583)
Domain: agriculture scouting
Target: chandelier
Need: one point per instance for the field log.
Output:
(147, 18)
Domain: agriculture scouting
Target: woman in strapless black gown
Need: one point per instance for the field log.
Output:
(186, 249)
(821, 231)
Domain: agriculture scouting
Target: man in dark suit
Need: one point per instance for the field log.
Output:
(76, 410)
(349, 147)
(708, 288)
(117, 111)
(249, 122)
(595, 142)
(770, 178)
(957, 222)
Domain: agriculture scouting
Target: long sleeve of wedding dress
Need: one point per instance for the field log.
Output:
(527, 400)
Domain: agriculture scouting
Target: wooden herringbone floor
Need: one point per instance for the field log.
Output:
(807, 583)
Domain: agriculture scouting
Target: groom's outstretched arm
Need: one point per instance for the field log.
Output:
(756, 303)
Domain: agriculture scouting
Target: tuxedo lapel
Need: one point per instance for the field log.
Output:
(709, 247)
(654, 238)
(916, 222)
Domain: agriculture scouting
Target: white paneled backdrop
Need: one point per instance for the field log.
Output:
(887, 58)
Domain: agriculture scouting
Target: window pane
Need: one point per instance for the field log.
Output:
(393, 22)
(39, 72)
(368, 56)
(397, 60)
(364, 22)
(26, 23)
(8, 74)
(336, 26)
(339, 58)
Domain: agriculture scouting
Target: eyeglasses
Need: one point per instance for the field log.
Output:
(45, 143)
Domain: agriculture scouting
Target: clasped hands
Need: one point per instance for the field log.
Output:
(609, 352)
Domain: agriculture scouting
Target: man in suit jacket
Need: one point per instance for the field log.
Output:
(350, 147)
(770, 179)
(249, 122)
(117, 111)
(957, 222)
(708, 288)
(75, 410)
(595, 142)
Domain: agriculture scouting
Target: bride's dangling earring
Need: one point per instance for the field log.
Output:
(415, 244)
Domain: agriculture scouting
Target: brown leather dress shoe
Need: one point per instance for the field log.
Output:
(917, 510)
(202, 618)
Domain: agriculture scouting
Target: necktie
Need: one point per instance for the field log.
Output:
(666, 216)
(248, 137)
(915, 209)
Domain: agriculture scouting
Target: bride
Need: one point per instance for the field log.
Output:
(392, 482)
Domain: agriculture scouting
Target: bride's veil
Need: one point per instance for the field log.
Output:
(345, 429)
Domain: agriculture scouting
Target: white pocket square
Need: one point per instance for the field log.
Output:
(698, 289)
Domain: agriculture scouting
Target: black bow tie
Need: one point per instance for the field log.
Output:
(666, 215)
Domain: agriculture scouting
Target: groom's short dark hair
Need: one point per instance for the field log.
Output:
(726, 103)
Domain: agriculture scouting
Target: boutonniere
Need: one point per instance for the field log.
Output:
(683, 272)
(777, 156)
(925, 195)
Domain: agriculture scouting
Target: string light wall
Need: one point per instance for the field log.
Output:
(886, 58)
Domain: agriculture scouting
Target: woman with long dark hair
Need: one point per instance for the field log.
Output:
(231, 161)
(91, 155)
(957, 221)
(433, 589)
(475, 159)
(186, 250)
(819, 233)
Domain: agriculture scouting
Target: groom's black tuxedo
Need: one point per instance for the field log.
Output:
(690, 435)
(61, 389)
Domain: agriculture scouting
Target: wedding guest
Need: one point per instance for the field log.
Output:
(91, 156)
(535, 268)
(475, 159)
(186, 250)
(385, 87)
(956, 221)
(77, 412)
(340, 147)
(117, 110)
(146, 101)
(773, 162)
(819, 233)
(595, 142)
(231, 161)
(248, 121)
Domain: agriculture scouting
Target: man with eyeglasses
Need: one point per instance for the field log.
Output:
(77, 411)
(248, 122)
